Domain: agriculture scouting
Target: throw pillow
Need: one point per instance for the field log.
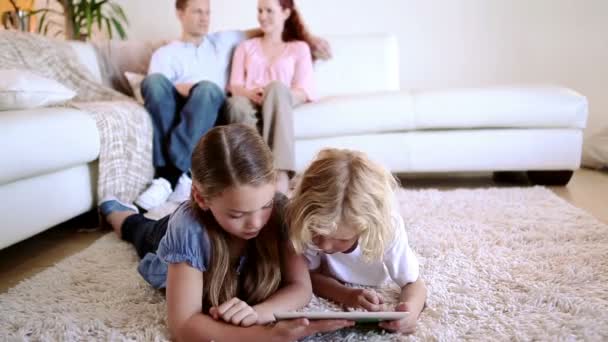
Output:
(119, 56)
(22, 89)
(135, 84)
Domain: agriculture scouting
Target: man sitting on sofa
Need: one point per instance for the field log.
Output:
(183, 92)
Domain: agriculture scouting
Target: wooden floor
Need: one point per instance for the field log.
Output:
(588, 190)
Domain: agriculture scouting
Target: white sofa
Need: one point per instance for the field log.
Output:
(514, 128)
(48, 175)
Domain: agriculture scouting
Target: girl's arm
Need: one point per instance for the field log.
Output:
(187, 323)
(330, 288)
(296, 290)
(184, 310)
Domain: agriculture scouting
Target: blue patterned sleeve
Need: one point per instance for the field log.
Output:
(186, 240)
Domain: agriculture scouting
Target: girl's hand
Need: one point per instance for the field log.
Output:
(293, 330)
(235, 311)
(406, 325)
(367, 299)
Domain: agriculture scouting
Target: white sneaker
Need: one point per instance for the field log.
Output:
(156, 194)
(182, 191)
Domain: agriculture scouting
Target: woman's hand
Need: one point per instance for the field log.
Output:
(293, 330)
(256, 95)
(235, 311)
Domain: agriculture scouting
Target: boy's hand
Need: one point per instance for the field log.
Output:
(406, 325)
(367, 299)
(235, 311)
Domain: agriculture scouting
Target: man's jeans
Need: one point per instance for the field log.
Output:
(179, 122)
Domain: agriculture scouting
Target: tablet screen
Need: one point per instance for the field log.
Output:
(357, 316)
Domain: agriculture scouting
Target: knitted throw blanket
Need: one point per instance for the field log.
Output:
(125, 128)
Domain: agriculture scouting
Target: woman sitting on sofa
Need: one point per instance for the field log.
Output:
(270, 75)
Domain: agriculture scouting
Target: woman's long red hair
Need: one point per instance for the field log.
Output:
(294, 25)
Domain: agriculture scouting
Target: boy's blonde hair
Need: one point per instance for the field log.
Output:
(343, 187)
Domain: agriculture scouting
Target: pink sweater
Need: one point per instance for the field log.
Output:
(293, 67)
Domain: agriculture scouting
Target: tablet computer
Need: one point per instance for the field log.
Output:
(357, 316)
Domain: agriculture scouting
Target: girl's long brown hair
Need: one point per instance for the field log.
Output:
(225, 157)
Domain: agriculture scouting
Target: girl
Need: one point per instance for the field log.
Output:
(223, 256)
(343, 215)
(270, 75)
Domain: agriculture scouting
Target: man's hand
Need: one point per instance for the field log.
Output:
(320, 48)
(406, 325)
(235, 311)
(184, 88)
(367, 299)
(293, 330)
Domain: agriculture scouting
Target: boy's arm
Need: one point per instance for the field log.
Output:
(412, 300)
(330, 288)
(414, 294)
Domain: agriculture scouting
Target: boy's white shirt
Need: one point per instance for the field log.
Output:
(398, 263)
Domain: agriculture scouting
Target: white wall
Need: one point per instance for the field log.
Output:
(448, 43)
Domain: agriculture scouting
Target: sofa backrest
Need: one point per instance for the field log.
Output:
(361, 63)
(87, 56)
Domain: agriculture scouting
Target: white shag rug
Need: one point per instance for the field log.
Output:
(500, 264)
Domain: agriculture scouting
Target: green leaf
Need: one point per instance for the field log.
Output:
(119, 11)
(41, 22)
(99, 5)
(121, 32)
(99, 17)
(108, 27)
(89, 13)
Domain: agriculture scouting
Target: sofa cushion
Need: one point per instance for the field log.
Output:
(42, 140)
(501, 107)
(349, 115)
(361, 63)
(492, 107)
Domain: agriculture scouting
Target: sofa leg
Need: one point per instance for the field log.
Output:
(560, 177)
(509, 177)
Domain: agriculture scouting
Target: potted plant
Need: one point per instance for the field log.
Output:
(82, 18)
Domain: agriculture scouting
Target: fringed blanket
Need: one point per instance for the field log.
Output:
(125, 129)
